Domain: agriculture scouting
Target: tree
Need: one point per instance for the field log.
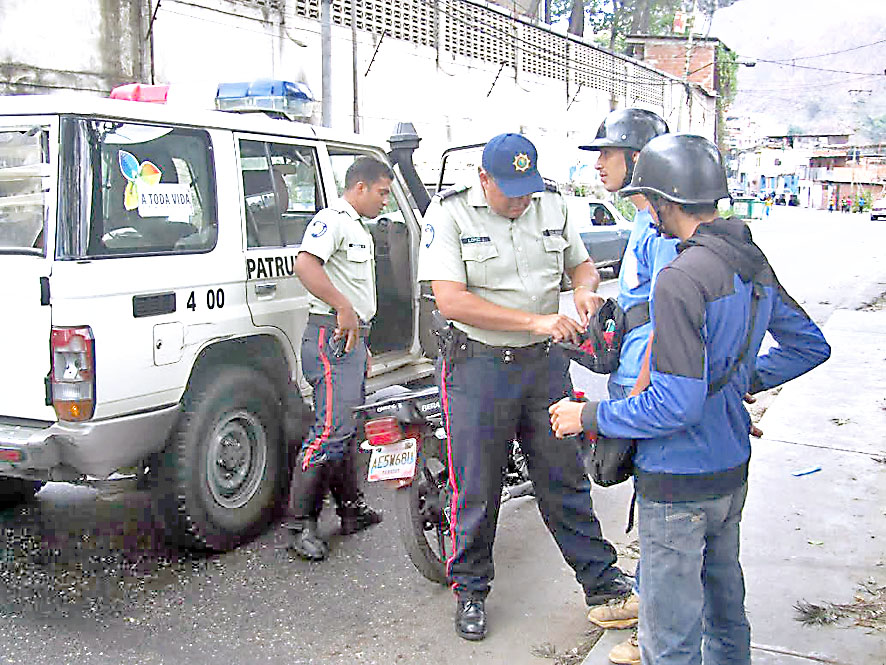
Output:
(617, 18)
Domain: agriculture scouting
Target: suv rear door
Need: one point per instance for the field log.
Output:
(28, 170)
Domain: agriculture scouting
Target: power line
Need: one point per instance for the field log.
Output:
(822, 55)
(806, 86)
(818, 69)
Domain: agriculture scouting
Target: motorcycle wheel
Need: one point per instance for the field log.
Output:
(422, 511)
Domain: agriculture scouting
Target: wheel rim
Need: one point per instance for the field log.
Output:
(235, 461)
(436, 526)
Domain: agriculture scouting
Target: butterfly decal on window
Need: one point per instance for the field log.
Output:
(146, 174)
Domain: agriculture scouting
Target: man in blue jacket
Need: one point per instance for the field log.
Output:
(619, 139)
(711, 308)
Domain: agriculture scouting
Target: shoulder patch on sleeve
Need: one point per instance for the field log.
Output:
(551, 186)
(452, 191)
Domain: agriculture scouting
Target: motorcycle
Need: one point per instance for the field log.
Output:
(406, 436)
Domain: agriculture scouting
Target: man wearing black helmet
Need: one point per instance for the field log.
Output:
(621, 136)
(711, 308)
(619, 139)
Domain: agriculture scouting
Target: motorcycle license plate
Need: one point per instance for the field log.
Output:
(396, 460)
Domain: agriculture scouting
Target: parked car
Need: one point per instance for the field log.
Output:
(603, 229)
(878, 209)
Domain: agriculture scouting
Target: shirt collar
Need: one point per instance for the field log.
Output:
(341, 205)
(476, 196)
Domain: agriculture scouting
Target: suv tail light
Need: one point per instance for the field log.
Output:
(382, 431)
(73, 373)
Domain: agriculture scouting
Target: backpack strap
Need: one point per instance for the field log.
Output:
(756, 293)
(636, 316)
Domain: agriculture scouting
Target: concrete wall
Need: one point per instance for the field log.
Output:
(451, 97)
(88, 45)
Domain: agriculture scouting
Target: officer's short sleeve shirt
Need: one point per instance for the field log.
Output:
(338, 236)
(513, 263)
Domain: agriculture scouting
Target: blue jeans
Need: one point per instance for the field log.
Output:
(692, 599)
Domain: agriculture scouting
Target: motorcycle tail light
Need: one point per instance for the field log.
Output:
(383, 431)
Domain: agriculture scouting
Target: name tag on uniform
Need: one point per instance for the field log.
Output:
(552, 232)
(358, 253)
(471, 240)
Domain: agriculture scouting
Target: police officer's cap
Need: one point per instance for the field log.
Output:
(682, 168)
(627, 128)
(512, 162)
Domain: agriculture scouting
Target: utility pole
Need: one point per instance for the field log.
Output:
(691, 23)
(326, 61)
(354, 66)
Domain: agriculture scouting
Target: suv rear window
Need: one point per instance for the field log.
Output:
(24, 181)
(142, 189)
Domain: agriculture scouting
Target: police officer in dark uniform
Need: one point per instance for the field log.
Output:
(336, 264)
(494, 253)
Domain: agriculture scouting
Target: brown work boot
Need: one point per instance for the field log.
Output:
(627, 652)
(621, 613)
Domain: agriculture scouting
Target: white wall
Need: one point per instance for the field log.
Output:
(451, 102)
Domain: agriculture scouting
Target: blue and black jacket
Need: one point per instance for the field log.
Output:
(693, 445)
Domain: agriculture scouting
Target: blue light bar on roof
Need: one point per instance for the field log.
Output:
(293, 99)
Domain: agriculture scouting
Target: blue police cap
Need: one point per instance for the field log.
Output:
(512, 162)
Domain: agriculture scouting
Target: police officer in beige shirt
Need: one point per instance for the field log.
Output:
(336, 264)
(494, 253)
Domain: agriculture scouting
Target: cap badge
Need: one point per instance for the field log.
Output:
(522, 162)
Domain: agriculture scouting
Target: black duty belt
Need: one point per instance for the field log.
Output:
(331, 321)
(508, 354)
(637, 316)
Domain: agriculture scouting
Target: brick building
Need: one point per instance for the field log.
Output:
(668, 53)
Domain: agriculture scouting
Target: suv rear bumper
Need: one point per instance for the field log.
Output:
(95, 448)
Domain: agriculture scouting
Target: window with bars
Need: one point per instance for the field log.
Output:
(477, 33)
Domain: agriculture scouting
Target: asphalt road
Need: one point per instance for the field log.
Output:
(85, 578)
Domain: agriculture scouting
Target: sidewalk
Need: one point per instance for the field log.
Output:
(816, 537)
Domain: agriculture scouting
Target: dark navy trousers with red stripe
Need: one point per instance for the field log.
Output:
(488, 403)
(339, 385)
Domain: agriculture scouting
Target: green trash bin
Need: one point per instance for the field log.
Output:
(743, 207)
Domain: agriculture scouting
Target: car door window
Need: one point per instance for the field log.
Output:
(281, 192)
(600, 216)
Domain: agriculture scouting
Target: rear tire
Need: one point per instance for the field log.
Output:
(422, 511)
(14, 491)
(219, 477)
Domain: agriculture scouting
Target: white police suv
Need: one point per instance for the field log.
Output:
(151, 317)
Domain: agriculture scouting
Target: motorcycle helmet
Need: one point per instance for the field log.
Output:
(600, 345)
(630, 129)
(682, 168)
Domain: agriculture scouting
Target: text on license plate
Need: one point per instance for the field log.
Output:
(396, 460)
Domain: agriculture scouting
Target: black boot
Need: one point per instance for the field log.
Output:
(356, 516)
(352, 509)
(306, 541)
(305, 499)
(470, 618)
